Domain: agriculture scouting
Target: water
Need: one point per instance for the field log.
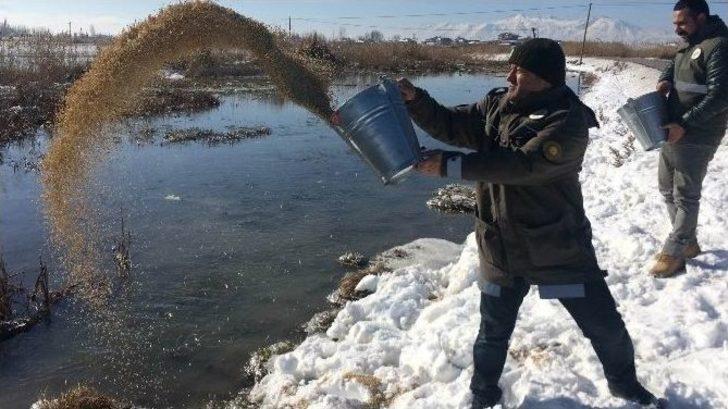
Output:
(243, 258)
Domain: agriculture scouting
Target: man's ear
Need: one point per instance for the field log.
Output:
(702, 18)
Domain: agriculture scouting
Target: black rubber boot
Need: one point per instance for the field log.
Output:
(488, 400)
(638, 394)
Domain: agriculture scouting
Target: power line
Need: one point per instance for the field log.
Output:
(463, 13)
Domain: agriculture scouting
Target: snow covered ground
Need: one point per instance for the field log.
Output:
(408, 345)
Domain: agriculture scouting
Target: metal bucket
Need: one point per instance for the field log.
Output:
(645, 116)
(377, 126)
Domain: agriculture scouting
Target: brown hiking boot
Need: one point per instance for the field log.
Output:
(692, 251)
(667, 266)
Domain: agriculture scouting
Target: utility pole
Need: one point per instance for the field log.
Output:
(289, 26)
(70, 33)
(586, 27)
(533, 29)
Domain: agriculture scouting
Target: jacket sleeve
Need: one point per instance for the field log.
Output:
(555, 151)
(668, 74)
(716, 101)
(462, 126)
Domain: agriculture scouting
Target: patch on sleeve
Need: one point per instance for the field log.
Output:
(552, 151)
(696, 54)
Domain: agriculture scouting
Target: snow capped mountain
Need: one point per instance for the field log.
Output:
(600, 28)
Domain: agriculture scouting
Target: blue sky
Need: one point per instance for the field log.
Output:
(110, 16)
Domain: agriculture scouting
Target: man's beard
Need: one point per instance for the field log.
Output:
(514, 93)
(688, 38)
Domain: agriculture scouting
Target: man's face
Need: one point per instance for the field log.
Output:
(523, 82)
(687, 24)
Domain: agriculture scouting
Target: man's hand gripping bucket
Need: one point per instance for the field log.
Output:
(645, 117)
(376, 125)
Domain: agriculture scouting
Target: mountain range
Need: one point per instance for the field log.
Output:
(600, 29)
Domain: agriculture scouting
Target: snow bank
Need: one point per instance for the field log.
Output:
(408, 345)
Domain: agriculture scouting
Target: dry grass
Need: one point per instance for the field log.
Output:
(320, 322)
(82, 397)
(347, 286)
(256, 368)
(406, 57)
(373, 384)
(619, 50)
(539, 355)
(167, 100)
(621, 156)
(108, 90)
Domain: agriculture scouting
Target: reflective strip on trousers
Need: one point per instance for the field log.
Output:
(689, 87)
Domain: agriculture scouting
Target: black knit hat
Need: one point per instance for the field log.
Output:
(543, 57)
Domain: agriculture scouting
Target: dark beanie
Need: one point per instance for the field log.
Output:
(543, 57)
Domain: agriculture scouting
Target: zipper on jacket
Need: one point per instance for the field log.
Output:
(497, 219)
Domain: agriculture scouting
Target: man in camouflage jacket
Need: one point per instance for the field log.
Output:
(528, 143)
(697, 85)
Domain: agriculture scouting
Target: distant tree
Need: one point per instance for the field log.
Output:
(374, 36)
(92, 30)
(396, 38)
(342, 32)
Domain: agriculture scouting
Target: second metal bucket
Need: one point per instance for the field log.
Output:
(645, 116)
(376, 125)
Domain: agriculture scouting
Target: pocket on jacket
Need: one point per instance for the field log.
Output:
(553, 244)
(490, 244)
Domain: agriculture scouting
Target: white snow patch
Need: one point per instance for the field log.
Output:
(368, 283)
(415, 333)
(173, 198)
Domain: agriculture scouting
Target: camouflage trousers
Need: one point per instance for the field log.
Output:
(681, 171)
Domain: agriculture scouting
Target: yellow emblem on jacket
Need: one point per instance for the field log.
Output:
(552, 151)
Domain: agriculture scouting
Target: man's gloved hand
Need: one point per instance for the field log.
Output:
(664, 87)
(431, 163)
(408, 91)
